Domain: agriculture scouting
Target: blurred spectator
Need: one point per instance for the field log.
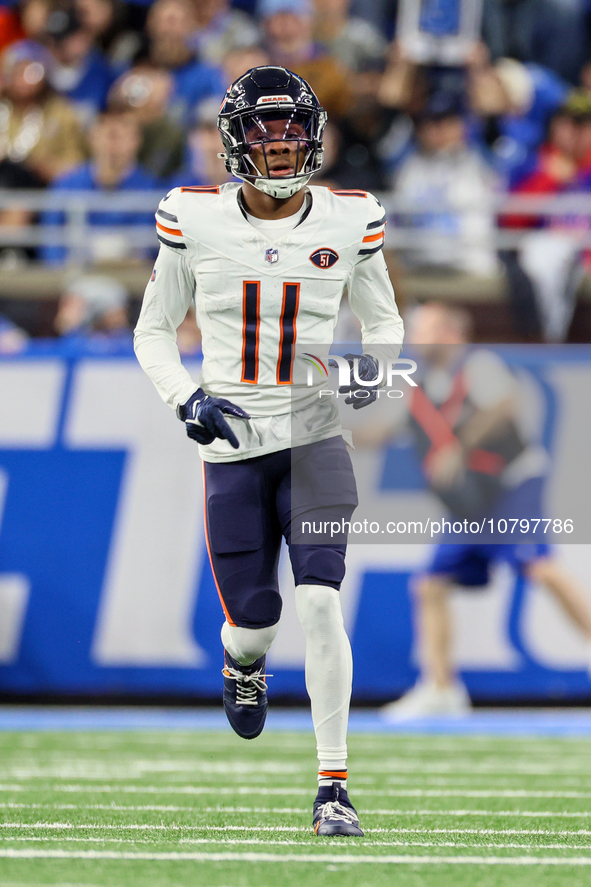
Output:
(356, 43)
(238, 61)
(288, 30)
(545, 271)
(351, 158)
(552, 33)
(10, 27)
(37, 128)
(13, 340)
(115, 140)
(511, 102)
(169, 26)
(381, 14)
(456, 189)
(515, 102)
(79, 71)
(16, 176)
(145, 92)
(221, 29)
(93, 310)
(33, 17)
(106, 22)
(203, 165)
(585, 80)
(564, 158)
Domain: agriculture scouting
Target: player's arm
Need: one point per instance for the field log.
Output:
(371, 294)
(166, 301)
(372, 300)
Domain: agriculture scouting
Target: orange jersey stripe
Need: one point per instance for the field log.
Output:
(202, 189)
(176, 231)
(334, 774)
(373, 237)
(345, 193)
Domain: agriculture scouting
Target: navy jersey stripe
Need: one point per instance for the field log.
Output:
(168, 216)
(291, 297)
(306, 213)
(377, 224)
(250, 331)
(369, 252)
(170, 243)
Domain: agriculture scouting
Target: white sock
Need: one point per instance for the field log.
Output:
(329, 675)
(245, 645)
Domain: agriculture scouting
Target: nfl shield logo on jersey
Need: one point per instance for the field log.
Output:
(271, 256)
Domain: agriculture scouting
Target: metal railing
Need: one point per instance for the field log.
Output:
(411, 225)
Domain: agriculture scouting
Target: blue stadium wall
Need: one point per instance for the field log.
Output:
(105, 585)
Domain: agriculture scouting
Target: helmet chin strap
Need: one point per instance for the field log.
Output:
(282, 188)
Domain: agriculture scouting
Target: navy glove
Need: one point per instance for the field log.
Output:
(368, 370)
(203, 416)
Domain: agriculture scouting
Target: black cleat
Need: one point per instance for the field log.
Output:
(334, 814)
(245, 696)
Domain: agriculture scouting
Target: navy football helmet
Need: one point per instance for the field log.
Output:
(269, 95)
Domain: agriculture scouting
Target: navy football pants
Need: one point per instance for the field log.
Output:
(253, 503)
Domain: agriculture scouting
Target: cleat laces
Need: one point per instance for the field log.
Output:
(332, 810)
(247, 685)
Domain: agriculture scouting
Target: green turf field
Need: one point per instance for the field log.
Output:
(194, 809)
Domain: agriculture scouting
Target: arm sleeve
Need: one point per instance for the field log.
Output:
(167, 299)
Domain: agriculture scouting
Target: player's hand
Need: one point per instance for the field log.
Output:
(203, 416)
(367, 370)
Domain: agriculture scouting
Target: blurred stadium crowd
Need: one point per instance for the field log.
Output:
(109, 96)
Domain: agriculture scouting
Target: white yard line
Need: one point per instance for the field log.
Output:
(322, 858)
(299, 790)
(303, 829)
(176, 827)
(264, 842)
(164, 808)
(536, 814)
(90, 770)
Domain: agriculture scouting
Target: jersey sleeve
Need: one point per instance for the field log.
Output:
(167, 299)
(373, 237)
(168, 227)
(371, 294)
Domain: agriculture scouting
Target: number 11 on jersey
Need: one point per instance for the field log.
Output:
(251, 322)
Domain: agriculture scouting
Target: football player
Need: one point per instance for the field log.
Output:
(265, 260)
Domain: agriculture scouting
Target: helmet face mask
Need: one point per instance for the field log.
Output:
(263, 109)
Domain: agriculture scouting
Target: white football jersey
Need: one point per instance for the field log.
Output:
(257, 294)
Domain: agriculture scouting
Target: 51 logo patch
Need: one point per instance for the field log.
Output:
(324, 258)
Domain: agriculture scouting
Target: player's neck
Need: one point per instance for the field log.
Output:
(264, 206)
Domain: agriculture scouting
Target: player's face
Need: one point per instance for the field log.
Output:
(277, 147)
